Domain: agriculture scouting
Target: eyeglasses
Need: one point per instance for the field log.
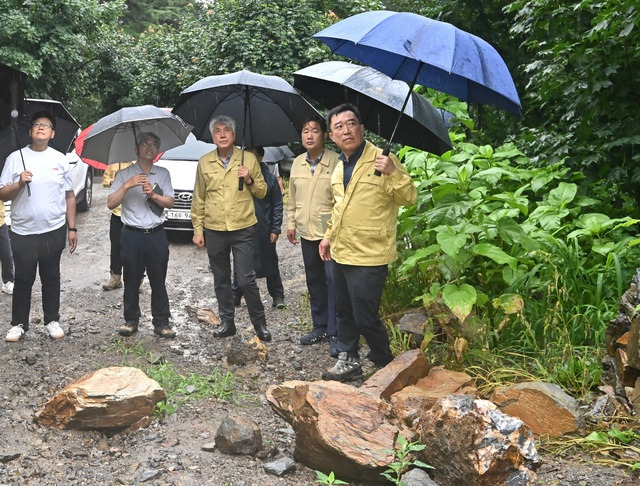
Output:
(149, 143)
(42, 125)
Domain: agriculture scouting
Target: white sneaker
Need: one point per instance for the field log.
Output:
(55, 331)
(7, 288)
(14, 334)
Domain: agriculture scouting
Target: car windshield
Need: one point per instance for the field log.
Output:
(192, 149)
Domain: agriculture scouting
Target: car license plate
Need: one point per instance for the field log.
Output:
(186, 215)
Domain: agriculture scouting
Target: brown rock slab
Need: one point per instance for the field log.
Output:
(544, 407)
(404, 370)
(238, 435)
(627, 373)
(338, 427)
(409, 402)
(108, 398)
(470, 441)
(633, 343)
(203, 314)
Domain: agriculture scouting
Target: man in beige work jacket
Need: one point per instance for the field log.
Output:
(309, 209)
(361, 239)
(223, 217)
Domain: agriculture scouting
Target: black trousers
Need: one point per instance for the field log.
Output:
(358, 294)
(319, 276)
(145, 252)
(220, 246)
(33, 253)
(115, 259)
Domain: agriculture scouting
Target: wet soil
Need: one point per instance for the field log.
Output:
(169, 451)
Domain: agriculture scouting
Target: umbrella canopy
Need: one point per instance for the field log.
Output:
(429, 52)
(379, 99)
(11, 94)
(114, 137)
(66, 127)
(266, 109)
(273, 155)
(79, 145)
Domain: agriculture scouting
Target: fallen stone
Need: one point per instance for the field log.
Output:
(148, 475)
(8, 457)
(209, 447)
(470, 441)
(338, 427)
(415, 324)
(412, 400)
(280, 467)
(417, 477)
(203, 314)
(634, 397)
(30, 358)
(238, 435)
(404, 370)
(240, 352)
(109, 398)
(544, 407)
(627, 373)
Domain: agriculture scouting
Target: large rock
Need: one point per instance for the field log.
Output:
(338, 428)
(406, 369)
(470, 441)
(109, 398)
(238, 435)
(544, 407)
(240, 352)
(412, 400)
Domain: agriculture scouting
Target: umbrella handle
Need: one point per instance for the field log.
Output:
(240, 184)
(385, 152)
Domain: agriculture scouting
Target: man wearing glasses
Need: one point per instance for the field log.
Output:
(361, 239)
(43, 217)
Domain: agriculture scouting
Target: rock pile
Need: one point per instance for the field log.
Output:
(623, 344)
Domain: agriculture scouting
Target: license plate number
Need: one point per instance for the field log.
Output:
(186, 215)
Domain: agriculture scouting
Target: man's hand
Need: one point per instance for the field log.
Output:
(384, 164)
(243, 173)
(273, 237)
(325, 250)
(291, 236)
(73, 241)
(198, 240)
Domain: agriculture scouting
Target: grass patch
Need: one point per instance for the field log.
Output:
(179, 388)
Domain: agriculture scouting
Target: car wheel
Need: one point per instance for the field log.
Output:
(87, 193)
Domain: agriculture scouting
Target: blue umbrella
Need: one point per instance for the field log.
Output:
(429, 52)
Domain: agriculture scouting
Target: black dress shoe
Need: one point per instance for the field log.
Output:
(262, 332)
(227, 328)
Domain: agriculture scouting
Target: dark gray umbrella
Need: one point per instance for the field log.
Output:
(379, 99)
(11, 94)
(266, 109)
(114, 137)
(273, 155)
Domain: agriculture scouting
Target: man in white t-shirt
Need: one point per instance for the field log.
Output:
(37, 180)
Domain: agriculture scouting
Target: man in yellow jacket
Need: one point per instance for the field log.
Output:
(361, 239)
(223, 217)
(309, 209)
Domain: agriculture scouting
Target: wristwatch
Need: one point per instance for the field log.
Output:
(72, 229)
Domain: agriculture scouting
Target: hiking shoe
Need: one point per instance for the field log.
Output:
(7, 288)
(128, 328)
(345, 369)
(278, 303)
(237, 300)
(164, 331)
(54, 330)
(317, 335)
(15, 334)
(114, 282)
(333, 346)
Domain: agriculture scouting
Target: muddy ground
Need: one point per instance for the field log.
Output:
(169, 452)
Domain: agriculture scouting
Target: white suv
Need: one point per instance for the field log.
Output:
(182, 162)
(82, 175)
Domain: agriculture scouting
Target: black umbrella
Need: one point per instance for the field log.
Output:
(11, 94)
(16, 136)
(267, 110)
(379, 99)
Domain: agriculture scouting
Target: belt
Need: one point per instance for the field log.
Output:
(143, 230)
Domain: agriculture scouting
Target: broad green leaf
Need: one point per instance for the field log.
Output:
(450, 241)
(509, 303)
(562, 195)
(512, 233)
(459, 299)
(597, 437)
(494, 253)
